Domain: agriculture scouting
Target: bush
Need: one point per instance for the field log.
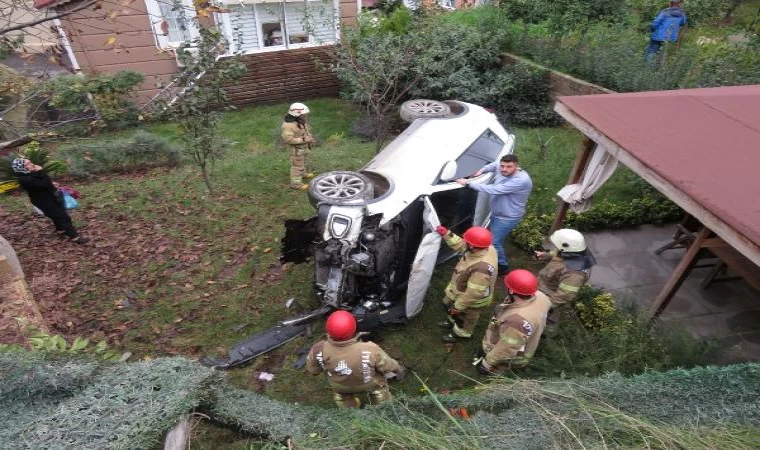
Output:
(530, 233)
(698, 12)
(141, 151)
(598, 335)
(105, 97)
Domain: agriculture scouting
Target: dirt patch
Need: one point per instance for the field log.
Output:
(268, 364)
(121, 259)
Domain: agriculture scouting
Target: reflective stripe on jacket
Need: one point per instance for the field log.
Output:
(472, 283)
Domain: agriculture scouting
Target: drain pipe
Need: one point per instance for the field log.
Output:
(67, 45)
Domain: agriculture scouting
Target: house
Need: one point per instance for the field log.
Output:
(279, 41)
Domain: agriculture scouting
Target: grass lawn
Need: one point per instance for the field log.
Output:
(174, 271)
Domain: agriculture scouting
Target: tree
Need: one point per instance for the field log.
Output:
(378, 70)
(200, 96)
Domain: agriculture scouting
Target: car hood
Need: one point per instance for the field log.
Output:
(413, 161)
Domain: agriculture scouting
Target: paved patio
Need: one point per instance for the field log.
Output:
(726, 310)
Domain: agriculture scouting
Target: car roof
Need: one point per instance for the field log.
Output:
(413, 161)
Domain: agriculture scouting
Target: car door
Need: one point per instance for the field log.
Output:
(424, 260)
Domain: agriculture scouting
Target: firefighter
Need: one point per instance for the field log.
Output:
(568, 269)
(472, 284)
(514, 331)
(296, 133)
(353, 367)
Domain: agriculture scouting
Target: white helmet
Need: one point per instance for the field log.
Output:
(298, 109)
(568, 240)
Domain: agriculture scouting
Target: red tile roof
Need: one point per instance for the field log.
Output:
(706, 142)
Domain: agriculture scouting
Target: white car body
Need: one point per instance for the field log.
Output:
(367, 250)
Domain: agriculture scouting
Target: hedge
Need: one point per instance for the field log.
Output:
(85, 404)
(648, 209)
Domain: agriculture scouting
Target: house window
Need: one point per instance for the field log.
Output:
(172, 25)
(255, 26)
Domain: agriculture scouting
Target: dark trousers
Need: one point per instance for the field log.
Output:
(60, 218)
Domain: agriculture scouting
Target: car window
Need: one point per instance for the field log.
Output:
(484, 150)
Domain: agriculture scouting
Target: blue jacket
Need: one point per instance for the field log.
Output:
(509, 195)
(666, 25)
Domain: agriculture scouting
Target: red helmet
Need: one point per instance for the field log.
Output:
(478, 237)
(521, 281)
(341, 325)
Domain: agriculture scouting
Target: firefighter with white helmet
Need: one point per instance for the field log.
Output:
(472, 284)
(296, 132)
(569, 266)
(354, 368)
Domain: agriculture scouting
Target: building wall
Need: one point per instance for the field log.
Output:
(271, 77)
(284, 76)
(134, 48)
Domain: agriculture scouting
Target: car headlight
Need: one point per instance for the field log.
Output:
(339, 225)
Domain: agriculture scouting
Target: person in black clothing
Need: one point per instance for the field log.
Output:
(43, 193)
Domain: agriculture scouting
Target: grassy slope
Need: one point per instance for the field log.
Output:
(229, 287)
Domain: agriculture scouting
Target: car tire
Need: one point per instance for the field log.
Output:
(340, 187)
(423, 109)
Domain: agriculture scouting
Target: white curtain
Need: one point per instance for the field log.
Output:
(600, 168)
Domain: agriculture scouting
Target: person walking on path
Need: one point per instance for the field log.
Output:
(668, 26)
(296, 132)
(44, 194)
(514, 331)
(472, 284)
(509, 192)
(353, 367)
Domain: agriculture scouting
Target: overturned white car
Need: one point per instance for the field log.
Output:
(372, 241)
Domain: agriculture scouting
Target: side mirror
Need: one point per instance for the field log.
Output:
(449, 171)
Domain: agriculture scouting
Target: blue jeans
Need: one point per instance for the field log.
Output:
(500, 228)
(652, 50)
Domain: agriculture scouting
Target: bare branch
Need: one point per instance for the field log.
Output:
(46, 19)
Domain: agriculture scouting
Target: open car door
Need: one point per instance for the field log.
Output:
(424, 261)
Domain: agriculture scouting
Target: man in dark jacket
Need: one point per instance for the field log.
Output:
(43, 194)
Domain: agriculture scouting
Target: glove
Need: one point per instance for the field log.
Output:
(440, 229)
(453, 312)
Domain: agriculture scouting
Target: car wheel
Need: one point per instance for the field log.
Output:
(423, 109)
(340, 188)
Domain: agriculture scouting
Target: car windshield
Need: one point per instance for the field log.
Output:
(483, 151)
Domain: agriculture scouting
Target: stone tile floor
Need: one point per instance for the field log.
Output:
(728, 310)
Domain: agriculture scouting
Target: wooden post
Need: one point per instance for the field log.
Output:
(579, 168)
(679, 274)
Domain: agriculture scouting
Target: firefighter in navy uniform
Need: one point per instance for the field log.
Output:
(472, 284)
(354, 368)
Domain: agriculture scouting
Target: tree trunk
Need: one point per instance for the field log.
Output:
(17, 301)
(206, 179)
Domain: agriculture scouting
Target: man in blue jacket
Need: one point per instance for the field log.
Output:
(509, 192)
(668, 26)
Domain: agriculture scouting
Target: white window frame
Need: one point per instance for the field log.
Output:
(156, 18)
(224, 22)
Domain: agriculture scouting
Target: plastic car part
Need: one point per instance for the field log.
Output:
(423, 109)
(261, 343)
(340, 187)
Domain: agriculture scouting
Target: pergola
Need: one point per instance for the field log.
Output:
(698, 147)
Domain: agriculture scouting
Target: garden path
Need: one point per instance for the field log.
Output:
(628, 267)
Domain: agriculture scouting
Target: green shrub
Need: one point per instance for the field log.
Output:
(598, 335)
(698, 12)
(143, 150)
(105, 96)
(36, 154)
(530, 233)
